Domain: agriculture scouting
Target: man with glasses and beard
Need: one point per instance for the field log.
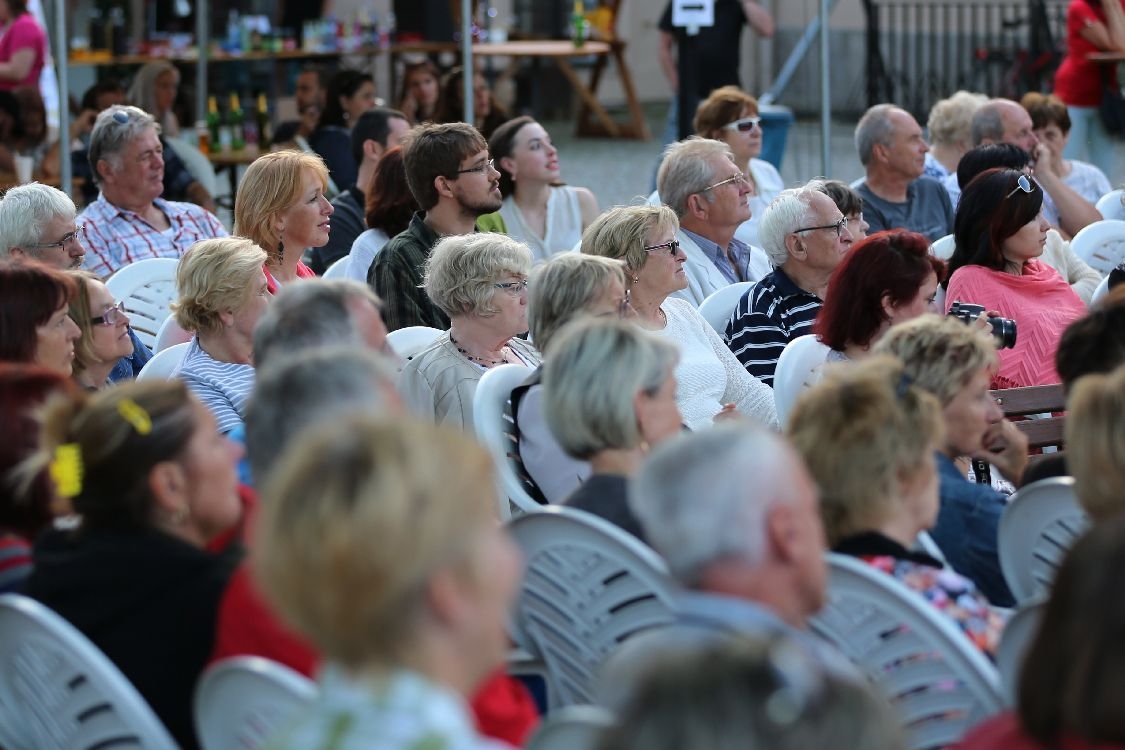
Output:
(454, 181)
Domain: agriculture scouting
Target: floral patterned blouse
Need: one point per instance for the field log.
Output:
(951, 593)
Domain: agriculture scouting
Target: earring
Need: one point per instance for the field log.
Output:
(280, 251)
(636, 279)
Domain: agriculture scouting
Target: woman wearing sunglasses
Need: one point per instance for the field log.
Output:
(730, 115)
(999, 234)
(105, 339)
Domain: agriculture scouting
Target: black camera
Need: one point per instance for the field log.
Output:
(1003, 329)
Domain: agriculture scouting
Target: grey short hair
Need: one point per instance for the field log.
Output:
(738, 465)
(564, 286)
(297, 391)
(24, 210)
(874, 129)
(686, 170)
(110, 137)
(595, 370)
(988, 123)
(950, 120)
(463, 268)
(310, 313)
(787, 213)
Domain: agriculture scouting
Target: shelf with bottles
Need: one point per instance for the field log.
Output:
(235, 130)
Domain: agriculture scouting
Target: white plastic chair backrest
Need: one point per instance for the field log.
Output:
(1112, 205)
(165, 363)
(943, 247)
(1040, 523)
(794, 372)
(587, 587)
(59, 692)
(939, 682)
(338, 269)
(1101, 244)
(242, 702)
(720, 305)
(406, 342)
(493, 423)
(1100, 291)
(170, 334)
(147, 287)
(198, 164)
(1014, 642)
(571, 728)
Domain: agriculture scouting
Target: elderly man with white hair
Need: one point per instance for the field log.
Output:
(806, 237)
(129, 221)
(710, 196)
(37, 223)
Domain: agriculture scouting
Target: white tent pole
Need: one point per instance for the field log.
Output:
(61, 64)
(825, 92)
(467, 58)
(202, 44)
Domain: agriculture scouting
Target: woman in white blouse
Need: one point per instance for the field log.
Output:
(711, 382)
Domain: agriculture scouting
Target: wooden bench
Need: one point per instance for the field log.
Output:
(1036, 399)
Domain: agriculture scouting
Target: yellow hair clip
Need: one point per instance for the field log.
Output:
(66, 470)
(134, 414)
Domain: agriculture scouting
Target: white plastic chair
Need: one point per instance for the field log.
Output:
(1014, 642)
(571, 728)
(1101, 244)
(59, 692)
(338, 269)
(1100, 291)
(493, 423)
(170, 334)
(407, 342)
(943, 247)
(939, 682)
(795, 367)
(147, 287)
(165, 363)
(720, 305)
(1040, 523)
(587, 587)
(1112, 205)
(242, 702)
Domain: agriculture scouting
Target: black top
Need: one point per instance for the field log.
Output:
(718, 47)
(606, 495)
(148, 600)
(874, 544)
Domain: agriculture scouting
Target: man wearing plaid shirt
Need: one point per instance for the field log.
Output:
(129, 221)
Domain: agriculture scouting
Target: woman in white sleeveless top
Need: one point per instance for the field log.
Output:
(539, 211)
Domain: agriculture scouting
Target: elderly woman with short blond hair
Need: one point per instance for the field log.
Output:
(480, 282)
(282, 207)
(222, 287)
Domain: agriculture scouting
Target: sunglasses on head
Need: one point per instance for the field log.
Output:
(744, 125)
(1023, 182)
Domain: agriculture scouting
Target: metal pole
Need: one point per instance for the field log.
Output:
(825, 91)
(202, 44)
(61, 64)
(467, 58)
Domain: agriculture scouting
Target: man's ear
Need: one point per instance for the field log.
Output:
(697, 206)
(782, 534)
(444, 186)
(795, 247)
(17, 252)
(104, 169)
(373, 150)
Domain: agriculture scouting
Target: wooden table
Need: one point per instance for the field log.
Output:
(232, 160)
(8, 180)
(562, 52)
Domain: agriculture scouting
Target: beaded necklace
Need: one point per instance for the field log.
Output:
(486, 363)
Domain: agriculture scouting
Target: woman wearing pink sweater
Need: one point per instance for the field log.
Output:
(1000, 234)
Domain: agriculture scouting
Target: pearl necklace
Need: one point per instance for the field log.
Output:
(486, 363)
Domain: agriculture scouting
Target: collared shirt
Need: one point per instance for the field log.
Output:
(768, 317)
(740, 270)
(396, 276)
(115, 237)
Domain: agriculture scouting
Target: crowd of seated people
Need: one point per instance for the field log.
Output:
(125, 507)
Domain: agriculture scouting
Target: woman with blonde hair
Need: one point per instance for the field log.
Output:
(949, 125)
(152, 483)
(868, 435)
(154, 90)
(281, 207)
(105, 336)
(711, 381)
(223, 294)
(1095, 442)
(365, 505)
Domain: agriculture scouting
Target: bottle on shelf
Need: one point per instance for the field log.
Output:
(119, 42)
(578, 24)
(203, 133)
(214, 125)
(235, 120)
(265, 125)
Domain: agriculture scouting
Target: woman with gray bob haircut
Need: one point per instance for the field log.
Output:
(480, 282)
(609, 394)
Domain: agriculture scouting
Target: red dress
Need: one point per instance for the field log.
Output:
(1078, 82)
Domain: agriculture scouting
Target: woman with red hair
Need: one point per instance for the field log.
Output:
(35, 326)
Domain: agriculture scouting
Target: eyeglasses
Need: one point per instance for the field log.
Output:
(672, 247)
(739, 178)
(483, 167)
(111, 317)
(514, 288)
(66, 238)
(1023, 182)
(744, 125)
(838, 226)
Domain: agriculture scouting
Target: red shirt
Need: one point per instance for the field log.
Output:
(303, 272)
(1078, 82)
(22, 33)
